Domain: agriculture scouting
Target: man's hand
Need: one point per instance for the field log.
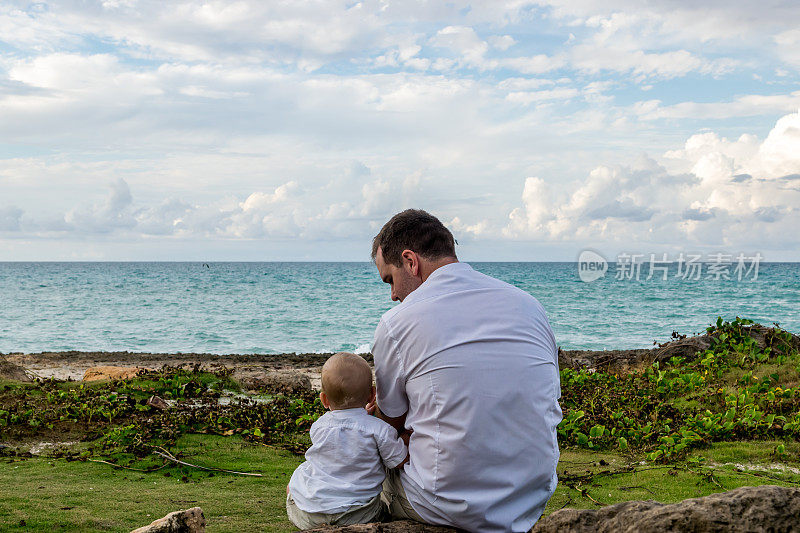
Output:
(371, 407)
(405, 461)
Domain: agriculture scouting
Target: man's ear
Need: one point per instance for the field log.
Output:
(411, 260)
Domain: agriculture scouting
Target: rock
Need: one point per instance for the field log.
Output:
(404, 526)
(97, 373)
(9, 370)
(157, 402)
(688, 348)
(746, 509)
(289, 383)
(188, 521)
(606, 360)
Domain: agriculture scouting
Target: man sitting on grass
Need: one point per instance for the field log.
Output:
(467, 365)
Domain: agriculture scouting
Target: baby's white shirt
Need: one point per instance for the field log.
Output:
(344, 466)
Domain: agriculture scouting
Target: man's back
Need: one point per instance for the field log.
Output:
(473, 362)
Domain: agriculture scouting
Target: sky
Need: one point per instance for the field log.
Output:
(268, 131)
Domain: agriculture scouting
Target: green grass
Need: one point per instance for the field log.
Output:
(59, 495)
(585, 483)
(56, 495)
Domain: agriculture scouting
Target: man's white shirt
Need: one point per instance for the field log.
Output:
(472, 362)
(344, 466)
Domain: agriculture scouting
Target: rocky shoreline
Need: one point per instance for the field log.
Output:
(289, 367)
(246, 368)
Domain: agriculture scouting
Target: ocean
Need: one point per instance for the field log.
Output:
(327, 307)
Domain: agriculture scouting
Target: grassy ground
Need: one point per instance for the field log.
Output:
(41, 494)
(679, 429)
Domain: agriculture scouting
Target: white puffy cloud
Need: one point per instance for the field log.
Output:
(462, 229)
(733, 193)
(465, 43)
(502, 42)
(112, 214)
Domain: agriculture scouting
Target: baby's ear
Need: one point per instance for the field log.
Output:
(372, 399)
(324, 399)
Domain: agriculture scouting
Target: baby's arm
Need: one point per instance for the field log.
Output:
(391, 448)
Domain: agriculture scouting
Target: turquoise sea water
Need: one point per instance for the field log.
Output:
(326, 307)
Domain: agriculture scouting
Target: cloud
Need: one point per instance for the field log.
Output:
(462, 229)
(713, 158)
(742, 106)
(112, 214)
(465, 43)
(10, 218)
(593, 60)
(502, 42)
(167, 218)
(731, 193)
(788, 44)
(287, 211)
(264, 120)
(679, 21)
(529, 97)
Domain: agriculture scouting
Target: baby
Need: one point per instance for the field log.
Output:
(340, 481)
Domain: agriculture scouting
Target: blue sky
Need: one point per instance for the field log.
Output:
(291, 131)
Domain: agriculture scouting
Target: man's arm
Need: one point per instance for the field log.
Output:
(398, 423)
(389, 381)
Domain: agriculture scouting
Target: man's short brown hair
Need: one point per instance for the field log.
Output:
(415, 230)
(347, 380)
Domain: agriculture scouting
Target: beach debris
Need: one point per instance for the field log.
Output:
(162, 452)
(9, 370)
(188, 521)
(157, 402)
(738, 510)
(97, 373)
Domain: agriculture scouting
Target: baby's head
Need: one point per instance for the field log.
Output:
(346, 382)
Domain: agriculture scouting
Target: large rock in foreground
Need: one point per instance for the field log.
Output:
(746, 509)
(188, 521)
